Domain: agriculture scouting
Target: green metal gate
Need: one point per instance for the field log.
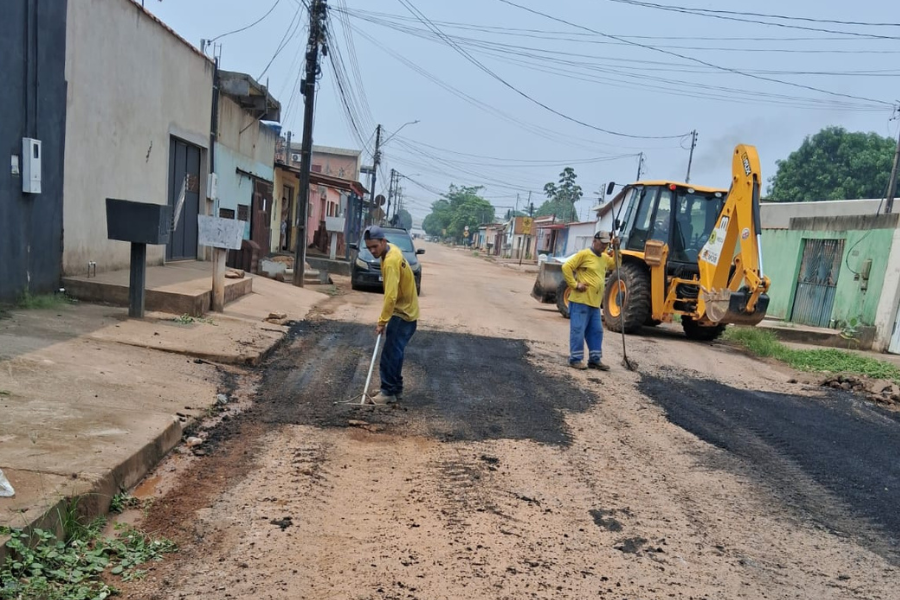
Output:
(817, 282)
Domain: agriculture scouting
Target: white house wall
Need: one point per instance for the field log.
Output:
(131, 85)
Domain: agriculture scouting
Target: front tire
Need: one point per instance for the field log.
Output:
(627, 298)
(562, 299)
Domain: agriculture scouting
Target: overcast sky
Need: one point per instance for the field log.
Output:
(601, 65)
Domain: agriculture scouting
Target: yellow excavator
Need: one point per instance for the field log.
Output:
(691, 251)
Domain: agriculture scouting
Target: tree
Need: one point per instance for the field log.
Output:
(562, 197)
(460, 207)
(834, 164)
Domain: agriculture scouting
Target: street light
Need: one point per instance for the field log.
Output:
(398, 131)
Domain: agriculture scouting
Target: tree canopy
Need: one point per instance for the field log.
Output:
(834, 164)
(461, 206)
(562, 197)
(404, 219)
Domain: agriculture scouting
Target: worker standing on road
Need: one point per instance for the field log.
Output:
(399, 316)
(585, 274)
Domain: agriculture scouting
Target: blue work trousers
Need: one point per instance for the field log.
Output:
(396, 336)
(585, 326)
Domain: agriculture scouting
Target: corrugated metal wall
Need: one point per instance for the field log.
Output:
(32, 104)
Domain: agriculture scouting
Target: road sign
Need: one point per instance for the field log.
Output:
(526, 225)
(466, 233)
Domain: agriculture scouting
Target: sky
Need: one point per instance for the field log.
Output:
(504, 94)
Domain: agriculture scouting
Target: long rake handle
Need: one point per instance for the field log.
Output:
(618, 258)
(365, 394)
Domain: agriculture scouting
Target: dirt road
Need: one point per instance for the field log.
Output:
(507, 475)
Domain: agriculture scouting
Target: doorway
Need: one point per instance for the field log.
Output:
(184, 173)
(817, 282)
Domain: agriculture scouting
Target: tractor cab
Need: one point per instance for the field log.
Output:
(677, 214)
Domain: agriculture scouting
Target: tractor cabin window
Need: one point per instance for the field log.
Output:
(696, 214)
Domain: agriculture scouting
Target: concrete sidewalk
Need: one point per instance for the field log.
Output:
(91, 400)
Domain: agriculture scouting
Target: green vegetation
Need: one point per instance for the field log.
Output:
(562, 197)
(41, 567)
(764, 343)
(187, 319)
(123, 501)
(834, 164)
(459, 208)
(43, 301)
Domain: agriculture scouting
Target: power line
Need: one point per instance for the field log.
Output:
(253, 24)
(715, 15)
(494, 75)
(285, 39)
(763, 15)
(696, 60)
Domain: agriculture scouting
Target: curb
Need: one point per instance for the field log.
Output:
(94, 499)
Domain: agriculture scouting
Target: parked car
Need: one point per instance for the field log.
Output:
(365, 269)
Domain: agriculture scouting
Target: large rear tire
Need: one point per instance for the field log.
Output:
(627, 295)
(700, 333)
(562, 299)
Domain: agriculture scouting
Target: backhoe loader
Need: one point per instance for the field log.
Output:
(691, 251)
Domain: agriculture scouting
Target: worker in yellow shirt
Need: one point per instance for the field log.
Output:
(399, 315)
(585, 273)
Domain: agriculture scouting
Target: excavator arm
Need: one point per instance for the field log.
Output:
(732, 284)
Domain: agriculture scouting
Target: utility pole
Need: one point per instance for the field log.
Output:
(527, 236)
(387, 213)
(687, 179)
(892, 185)
(640, 166)
(376, 160)
(287, 150)
(318, 10)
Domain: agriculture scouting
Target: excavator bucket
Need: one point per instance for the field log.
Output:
(727, 307)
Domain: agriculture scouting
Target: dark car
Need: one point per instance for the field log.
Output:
(366, 269)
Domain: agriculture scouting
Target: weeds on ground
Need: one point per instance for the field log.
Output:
(41, 567)
(765, 344)
(123, 501)
(43, 301)
(187, 319)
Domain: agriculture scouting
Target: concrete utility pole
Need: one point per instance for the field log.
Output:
(318, 11)
(687, 178)
(892, 185)
(287, 150)
(387, 213)
(640, 166)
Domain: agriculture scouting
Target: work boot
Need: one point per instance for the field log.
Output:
(598, 365)
(383, 398)
(579, 366)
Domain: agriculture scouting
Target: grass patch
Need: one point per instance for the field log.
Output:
(43, 301)
(187, 319)
(39, 566)
(764, 343)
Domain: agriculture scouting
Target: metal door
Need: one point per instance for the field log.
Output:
(184, 171)
(817, 282)
(260, 215)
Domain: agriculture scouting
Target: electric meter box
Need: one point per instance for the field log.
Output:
(31, 166)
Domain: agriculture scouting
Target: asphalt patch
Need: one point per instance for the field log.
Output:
(457, 386)
(833, 457)
(604, 520)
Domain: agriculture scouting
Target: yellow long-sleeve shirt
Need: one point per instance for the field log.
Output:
(400, 297)
(589, 269)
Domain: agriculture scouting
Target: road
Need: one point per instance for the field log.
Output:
(706, 474)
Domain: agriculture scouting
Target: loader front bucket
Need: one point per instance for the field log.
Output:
(548, 279)
(731, 308)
